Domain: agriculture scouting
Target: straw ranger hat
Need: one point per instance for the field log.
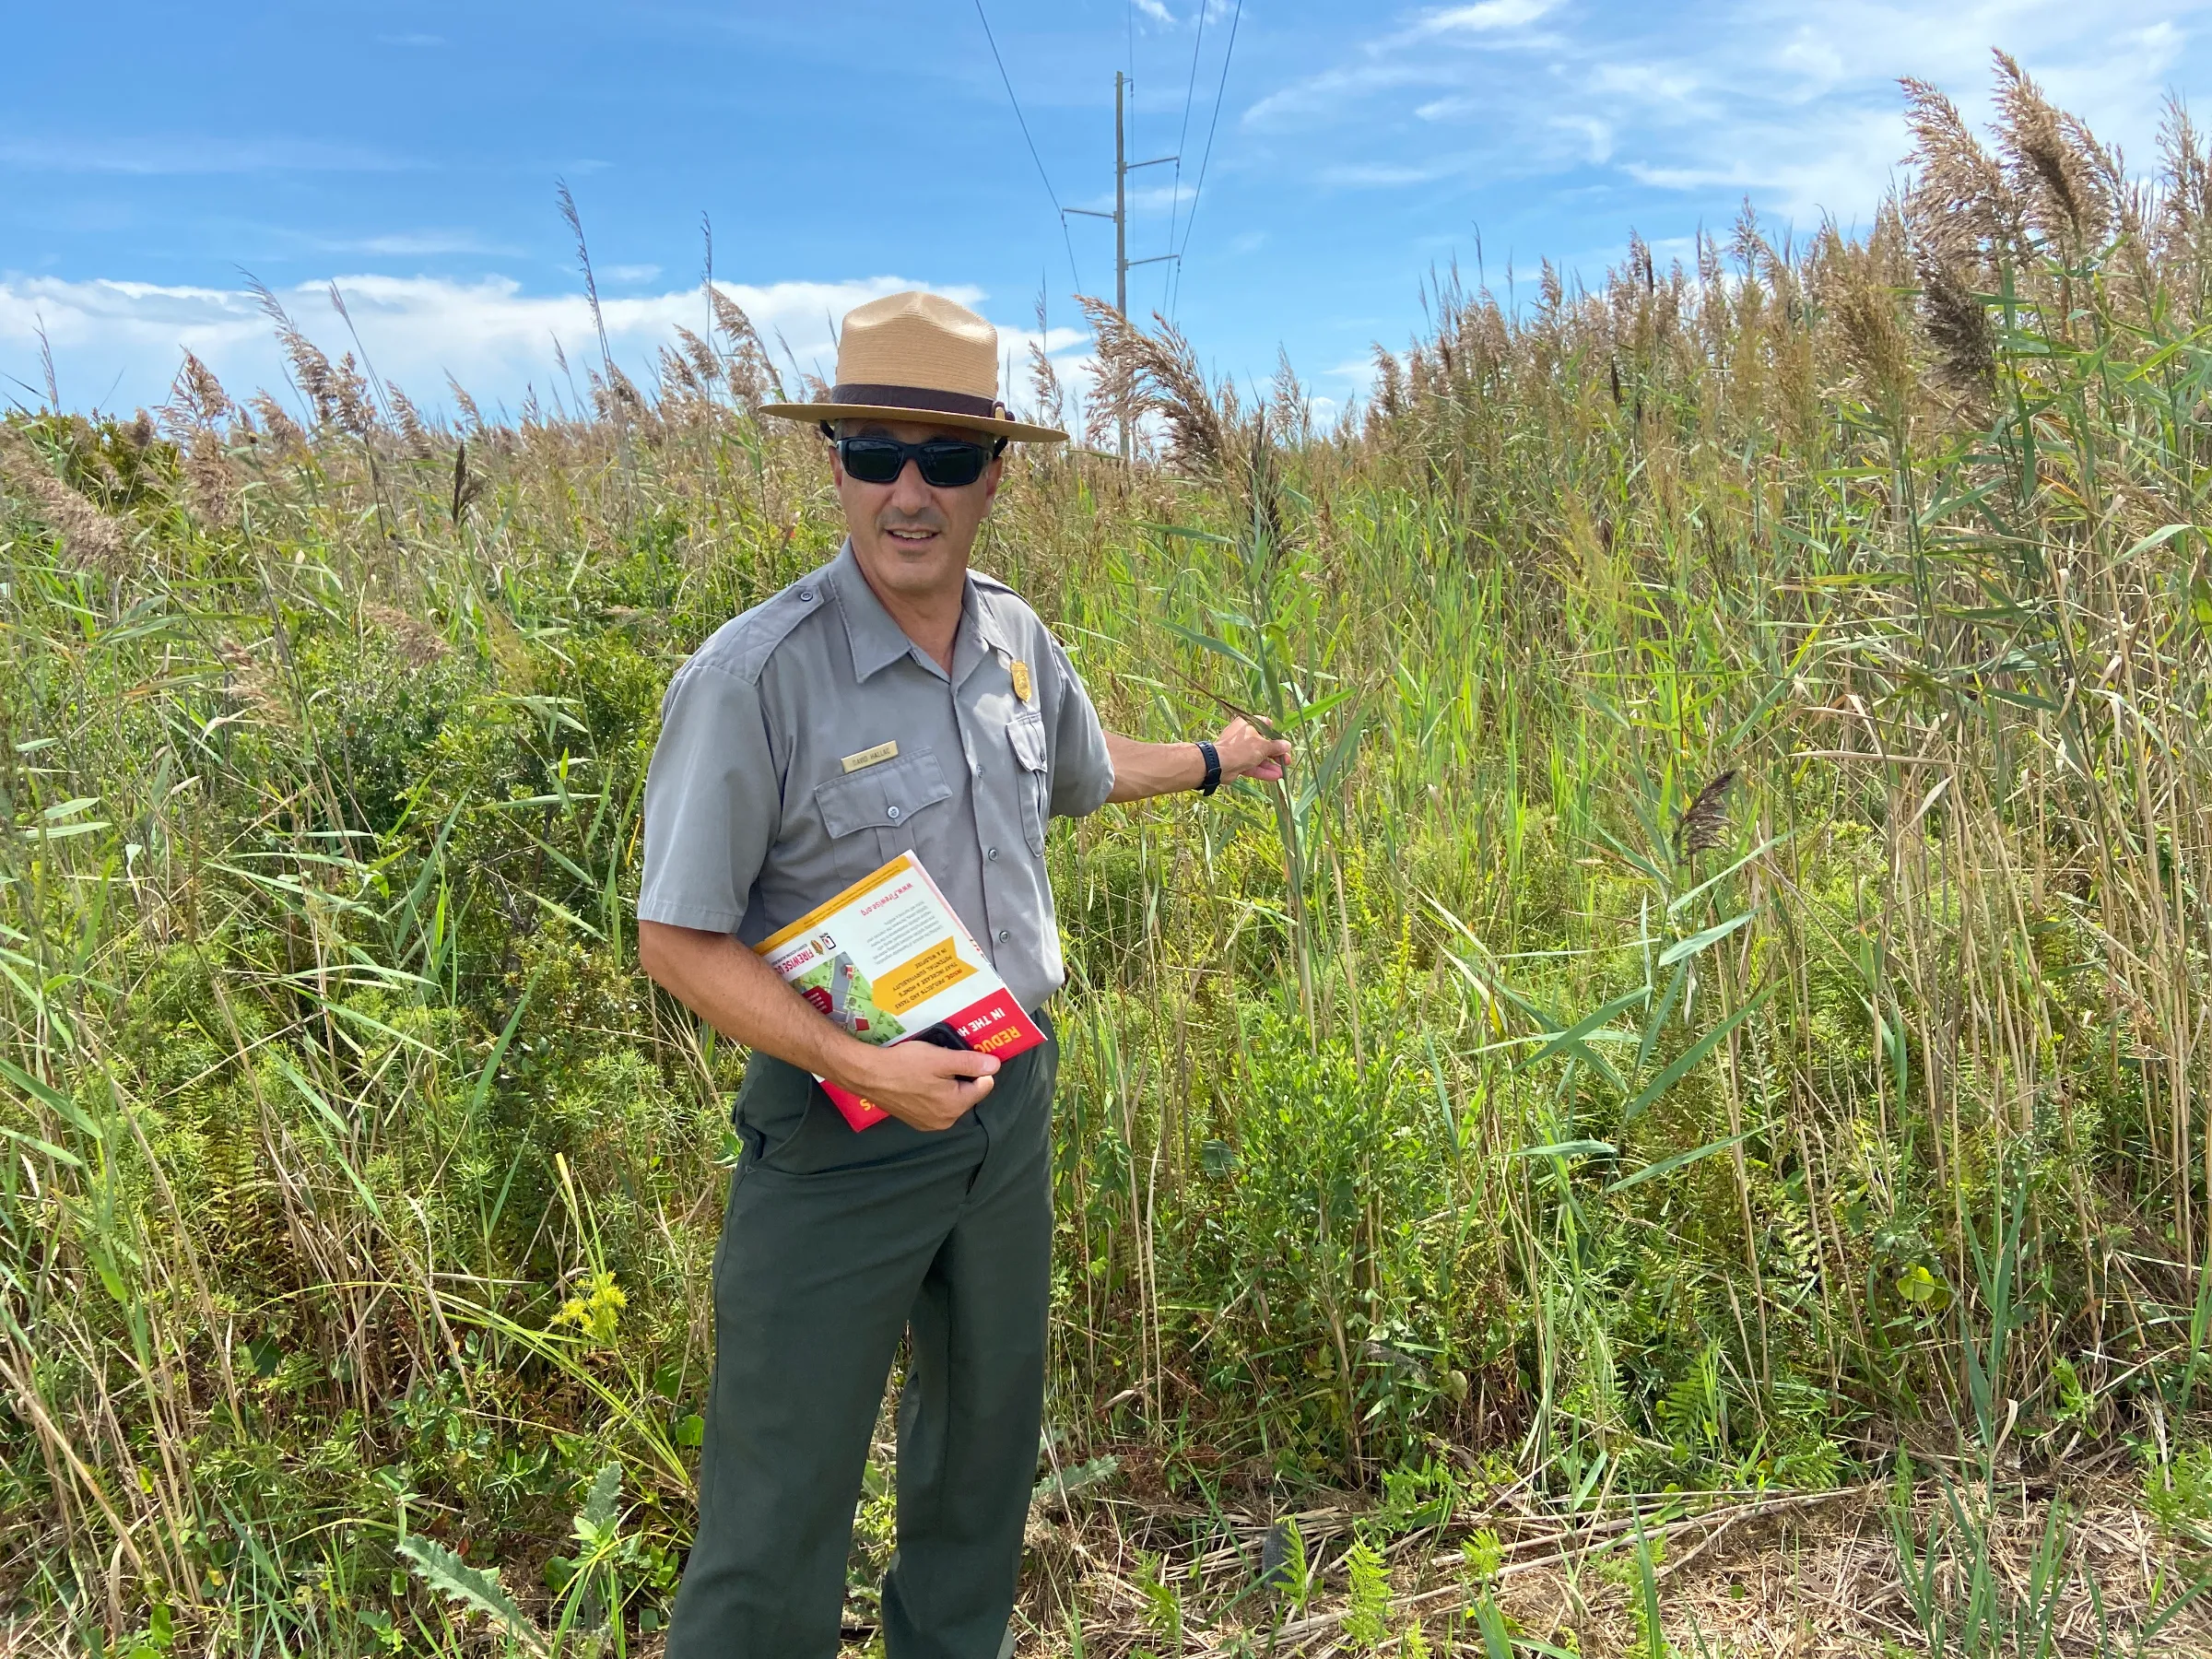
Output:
(917, 356)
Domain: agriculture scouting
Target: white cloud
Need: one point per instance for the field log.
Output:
(117, 343)
(1155, 10)
(1332, 91)
(408, 244)
(629, 273)
(1598, 134)
(1798, 105)
(1386, 174)
(1490, 15)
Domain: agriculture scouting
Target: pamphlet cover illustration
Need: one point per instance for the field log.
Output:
(889, 961)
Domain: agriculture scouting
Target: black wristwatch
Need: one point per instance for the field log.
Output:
(1213, 767)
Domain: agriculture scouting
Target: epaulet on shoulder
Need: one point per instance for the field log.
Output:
(1009, 607)
(742, 646)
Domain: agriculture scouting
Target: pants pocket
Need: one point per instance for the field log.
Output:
(771, 1105)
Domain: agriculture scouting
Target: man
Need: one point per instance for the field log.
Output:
(893, 699)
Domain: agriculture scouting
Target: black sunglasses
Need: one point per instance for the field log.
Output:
(946, 463)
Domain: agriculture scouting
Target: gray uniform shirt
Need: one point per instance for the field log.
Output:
(752, 819)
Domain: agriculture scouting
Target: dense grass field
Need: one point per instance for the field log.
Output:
(1716, 1029)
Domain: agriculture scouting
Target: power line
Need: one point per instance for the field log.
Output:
(1024, 125)
(1129, 18)
(1183, 139)
(1235, 18)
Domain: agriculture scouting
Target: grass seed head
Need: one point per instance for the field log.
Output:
(1705, 824)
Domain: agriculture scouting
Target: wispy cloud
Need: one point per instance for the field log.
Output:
(1797, 106)
(490, 334)
(193, 153)
(1406, 56)
(1388, 173)
(404, 244)
(1489, 16)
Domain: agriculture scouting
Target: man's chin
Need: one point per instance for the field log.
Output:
(914, 566)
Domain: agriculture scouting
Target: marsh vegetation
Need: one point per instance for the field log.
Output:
(1684, 1124)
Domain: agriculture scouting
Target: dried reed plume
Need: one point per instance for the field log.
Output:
(409, 423)
(2059, 170)
(335, 392)
(89, 537)
(1962, 207)
(413, 641)
(465, 404)
(1965, 343)
(1865, 307)
(467, 486)
(196, 399)
(1705, 824)
(750, 372)
(1048, 397)
(197, 406)
(1157, 373)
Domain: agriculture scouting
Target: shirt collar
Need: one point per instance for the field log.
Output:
(877, 641)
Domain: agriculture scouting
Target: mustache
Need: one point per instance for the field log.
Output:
(927, 518)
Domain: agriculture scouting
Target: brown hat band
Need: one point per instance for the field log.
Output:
(928, 398)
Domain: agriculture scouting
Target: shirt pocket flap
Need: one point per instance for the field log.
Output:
(882, 797)
(1026, 732)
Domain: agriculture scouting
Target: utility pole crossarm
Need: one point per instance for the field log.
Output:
(1122, 167)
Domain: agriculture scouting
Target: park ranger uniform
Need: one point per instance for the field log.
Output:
(808, 743)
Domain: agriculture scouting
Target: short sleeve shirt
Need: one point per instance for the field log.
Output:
(810, 742)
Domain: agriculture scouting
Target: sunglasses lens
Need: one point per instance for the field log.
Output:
(873, 460)
(947, 465)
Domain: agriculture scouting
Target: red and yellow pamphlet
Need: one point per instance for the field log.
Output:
(889, 961)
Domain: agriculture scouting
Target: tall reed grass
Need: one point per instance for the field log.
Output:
(1722, 998)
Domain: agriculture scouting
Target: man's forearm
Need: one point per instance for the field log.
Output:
(1144, 770)
(745, 999)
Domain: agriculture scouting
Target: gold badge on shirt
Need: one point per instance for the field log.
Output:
(1021, 679)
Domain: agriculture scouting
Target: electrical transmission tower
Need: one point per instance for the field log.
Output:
(1122, 167)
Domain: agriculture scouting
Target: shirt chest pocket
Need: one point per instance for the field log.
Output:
(1032, 781)
(869, 813)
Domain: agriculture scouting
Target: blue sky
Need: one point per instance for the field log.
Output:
(157, 153)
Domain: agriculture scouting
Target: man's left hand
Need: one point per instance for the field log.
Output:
(1247, 754)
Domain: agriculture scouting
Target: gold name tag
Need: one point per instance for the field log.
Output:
(869, 757)
(1021, 679)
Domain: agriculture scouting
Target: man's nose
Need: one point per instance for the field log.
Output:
(908, 492)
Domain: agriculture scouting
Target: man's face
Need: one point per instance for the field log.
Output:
(912, 538)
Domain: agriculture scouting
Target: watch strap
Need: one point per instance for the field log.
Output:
(1212, 766)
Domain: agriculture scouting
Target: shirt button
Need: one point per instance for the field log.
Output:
(991, 854)
(805, 596)
(1004, 935)
(891, 813)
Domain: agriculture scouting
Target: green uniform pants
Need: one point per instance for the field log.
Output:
(834, 1243)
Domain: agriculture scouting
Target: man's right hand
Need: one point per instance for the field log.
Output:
(920, 1083)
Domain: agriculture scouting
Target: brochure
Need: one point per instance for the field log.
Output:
(889, 961)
